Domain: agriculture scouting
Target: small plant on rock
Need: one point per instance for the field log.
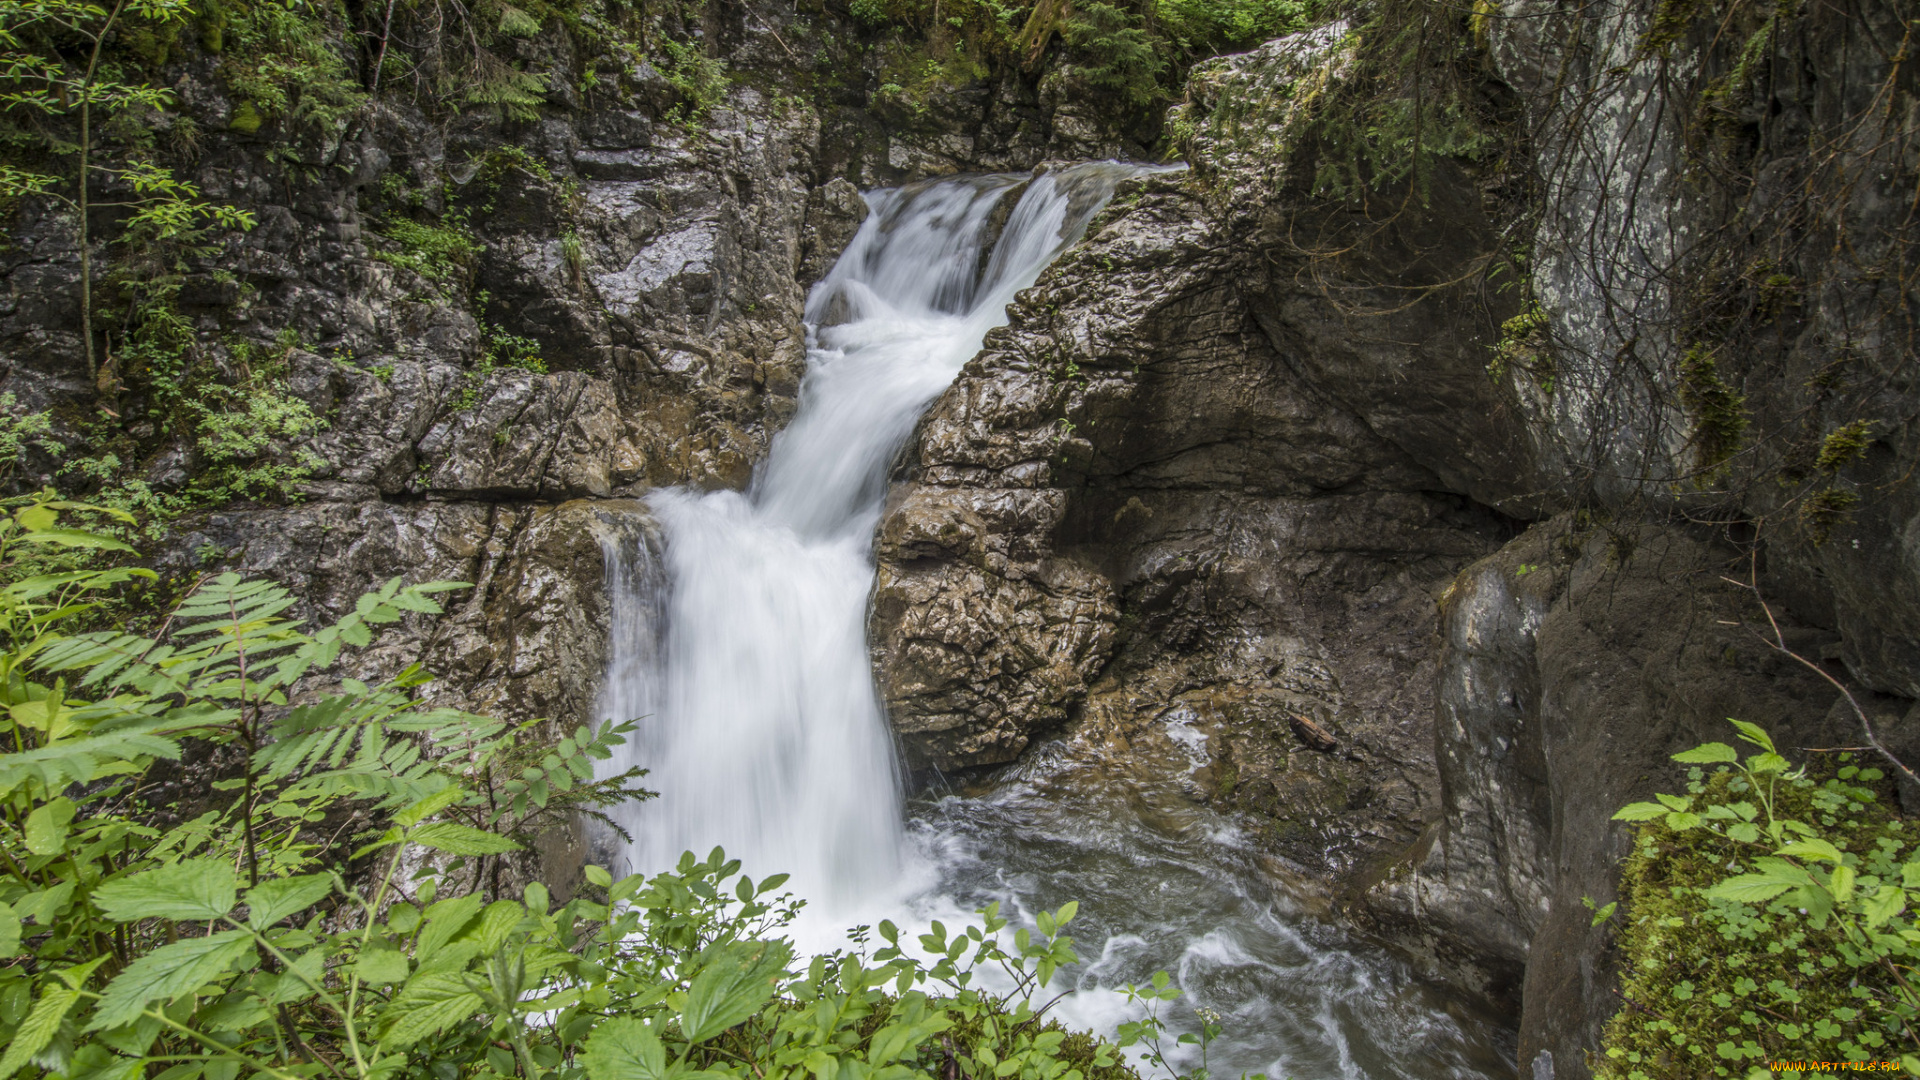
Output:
(1767, 915)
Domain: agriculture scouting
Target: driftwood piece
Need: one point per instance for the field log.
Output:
(1315, 736)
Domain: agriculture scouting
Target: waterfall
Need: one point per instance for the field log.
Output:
(739, 639)
(744, 650)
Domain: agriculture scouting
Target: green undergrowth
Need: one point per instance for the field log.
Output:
(223, 860)
(1133, 54)
(1765, 915)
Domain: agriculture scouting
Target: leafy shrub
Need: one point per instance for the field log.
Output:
(346, 913)
(1204, 27)
(1768, 916)
(282, 61)
(699, 79)
(443, 254)
(17, 430)
(1118, 55)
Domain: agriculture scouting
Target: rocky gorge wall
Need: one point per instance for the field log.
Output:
(1238, 463)
(1256, 461)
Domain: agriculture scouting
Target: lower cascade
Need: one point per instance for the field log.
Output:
(739, 644)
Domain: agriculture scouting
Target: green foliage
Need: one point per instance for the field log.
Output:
(239, 434)
(58, 104)
(443, 253)
(17, 430)
(38, 593)
(700, 80)
(233, 942)
(1408, 103)
(281, 62)
(513, 93)
(243, 426)
(1205, 27)
(503, 350)
(1765, 912)
(1117, 55)
(1719, 413)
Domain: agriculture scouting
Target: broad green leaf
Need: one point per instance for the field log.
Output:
(38, 1029)
(623, 1048)
(382, 966)
(1676, 802)
(1682, 822)
(1841, 883)
(462, 839)
(1813, 848)
(271, 901)
(1640, 811)
(597, 875)
(445, 919)
(1751, 888)
(9, 931)
(427, 807)
(75, 538)
(1707, 754)
(1883, 905)
(1753, 733)
(47, 826)
(166, 973)
(96, 1062)
(490, 930)
(195, 889)
(732, 986)
(1767, 763)
(295, 983)
(37, 518)
(428, 1003)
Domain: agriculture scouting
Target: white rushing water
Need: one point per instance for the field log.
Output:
(741, 647)
(761, 725)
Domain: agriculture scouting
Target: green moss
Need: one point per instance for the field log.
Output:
(1210, 26)
(1671, 21)
(246, 119)
(1823, 511)
(1523, 346)
(1712, 988)
(1719, 413)
(1844, 446)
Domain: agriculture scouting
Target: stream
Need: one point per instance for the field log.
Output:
(741, 644)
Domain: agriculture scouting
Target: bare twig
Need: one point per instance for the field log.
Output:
(1778, 643)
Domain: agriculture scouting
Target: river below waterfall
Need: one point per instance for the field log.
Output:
(741, 644)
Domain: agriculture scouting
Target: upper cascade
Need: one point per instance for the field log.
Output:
(762, 725)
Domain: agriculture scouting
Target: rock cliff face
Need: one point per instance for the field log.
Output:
(657, 264)
(1211, 475)
(1238, 464)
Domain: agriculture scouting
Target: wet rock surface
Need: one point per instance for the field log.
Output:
(1134, 509)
